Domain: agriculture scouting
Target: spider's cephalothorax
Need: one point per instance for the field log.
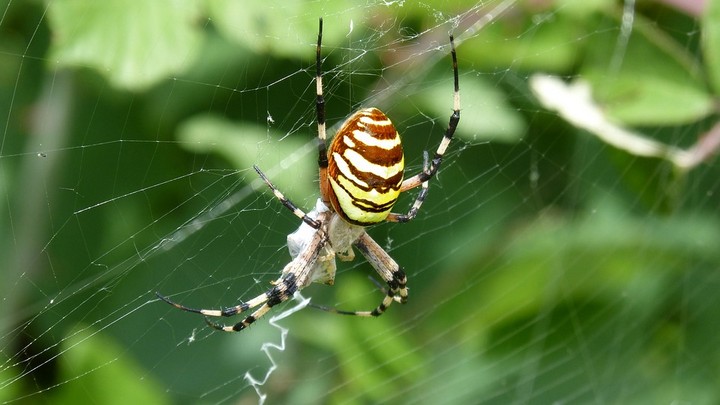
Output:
(365, 168)
(361, 177)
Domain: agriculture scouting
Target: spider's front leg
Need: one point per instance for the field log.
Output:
(430, 170)
(415, 208)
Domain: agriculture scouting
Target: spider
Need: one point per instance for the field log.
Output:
(361, 177)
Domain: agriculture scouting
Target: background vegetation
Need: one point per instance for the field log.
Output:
(550, 263)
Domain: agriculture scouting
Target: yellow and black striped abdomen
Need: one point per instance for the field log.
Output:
(365, 168)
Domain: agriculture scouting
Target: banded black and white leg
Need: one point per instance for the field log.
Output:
(320, 111)
(387, 268)
(295, 275)
(286, 202)
(429, 172)
(415, 208)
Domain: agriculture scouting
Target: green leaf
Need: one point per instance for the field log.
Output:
(133, 44)
(485, 112)
(711, 42)
(651, 81)
(11, 387)
(243, 145)
(636, 99)
(105, 373)
(284, 28)
(581, 10)
(389, 360)
(526, 42)
(603, 255)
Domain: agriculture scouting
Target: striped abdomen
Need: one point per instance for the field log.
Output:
(365, 167)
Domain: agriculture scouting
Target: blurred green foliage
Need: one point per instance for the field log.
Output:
(546, 266)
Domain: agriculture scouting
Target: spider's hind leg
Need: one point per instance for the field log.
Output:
(387, 268)
(295, 276)
(230, 311)
(283, 290)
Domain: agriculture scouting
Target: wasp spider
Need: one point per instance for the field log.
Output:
(361, 177)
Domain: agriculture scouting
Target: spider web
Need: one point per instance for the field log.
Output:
(567, 252)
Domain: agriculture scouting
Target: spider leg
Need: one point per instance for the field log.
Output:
(230, 311)
(295, 276)
(320, 101)
(388, 269)
(283, 290)
(393, 217)
(428, 173)
(322, 130)
(287, 203)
